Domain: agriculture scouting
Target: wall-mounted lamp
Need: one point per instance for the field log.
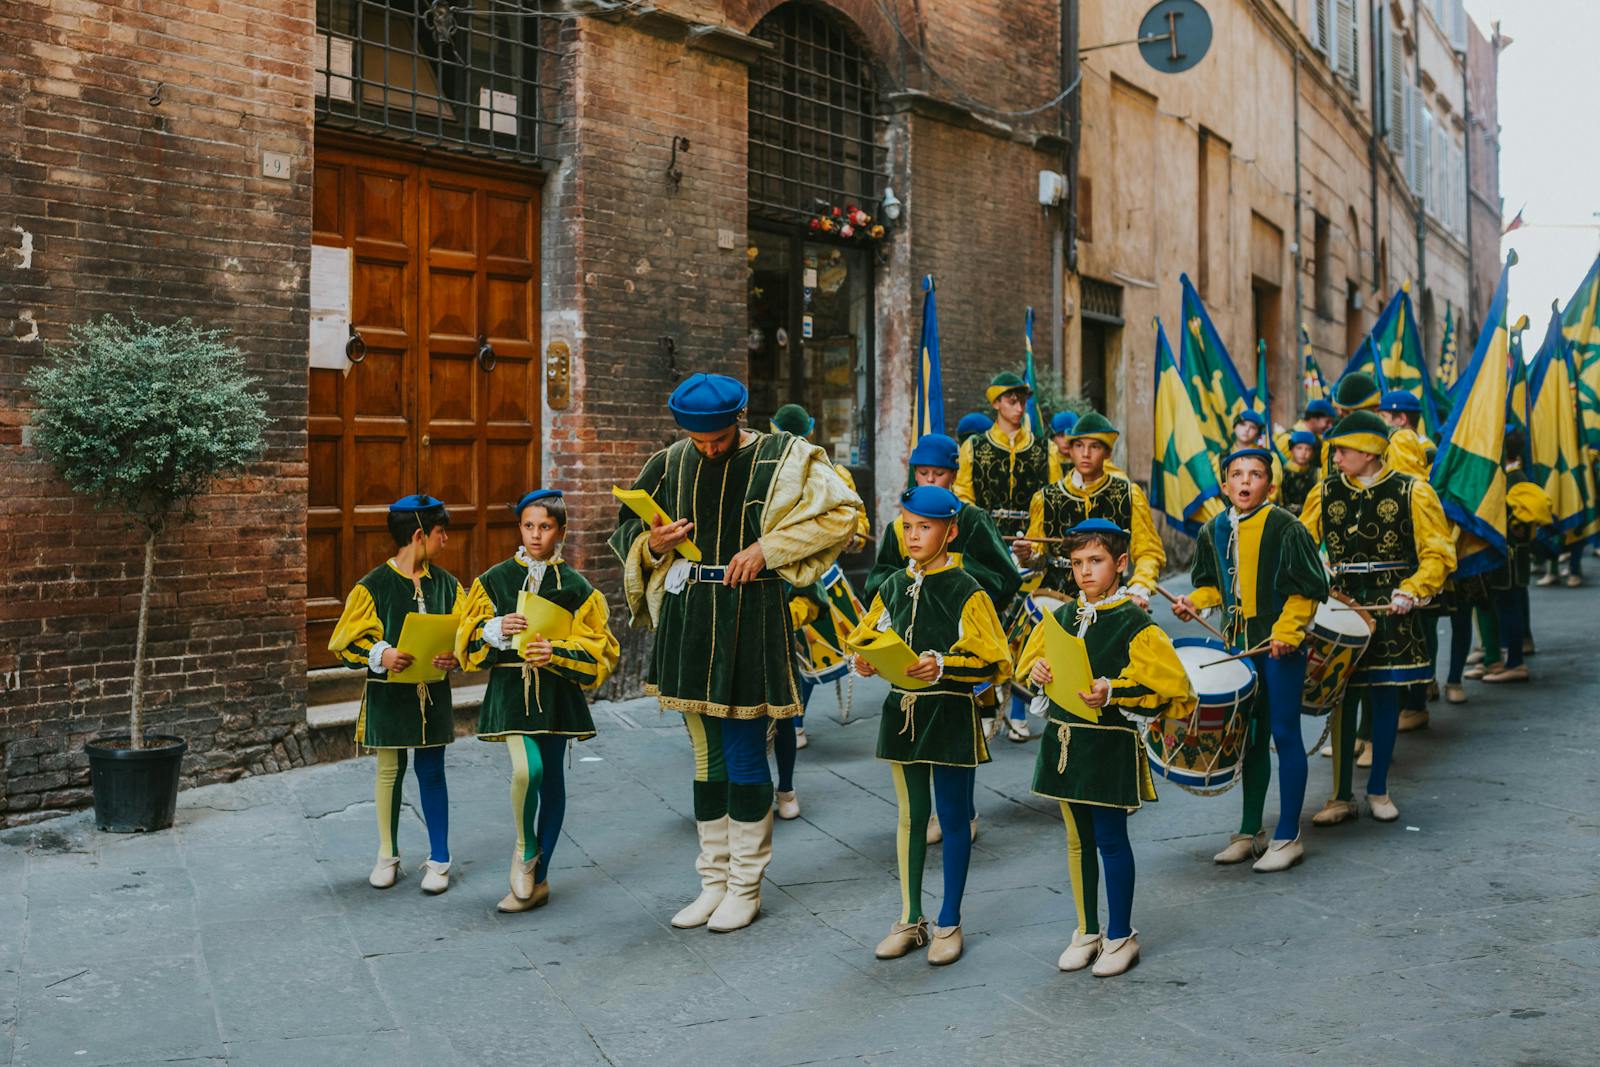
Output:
(674, 169)
(892, 207)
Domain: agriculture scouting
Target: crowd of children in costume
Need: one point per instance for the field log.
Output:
(751, 620)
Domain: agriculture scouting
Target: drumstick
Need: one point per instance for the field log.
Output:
(1364, 607)
(1214, 631)
(1038, 540)
(1246, 654)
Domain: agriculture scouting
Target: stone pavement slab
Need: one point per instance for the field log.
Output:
(1467, 933)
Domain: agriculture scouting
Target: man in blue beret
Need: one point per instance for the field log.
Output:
(972, 424)
(749, 512)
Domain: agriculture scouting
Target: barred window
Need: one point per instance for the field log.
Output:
(813, 118)
(477, 74)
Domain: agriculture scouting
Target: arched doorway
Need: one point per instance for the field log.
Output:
(815, 160)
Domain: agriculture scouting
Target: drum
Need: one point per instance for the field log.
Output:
(1202, 751)
(1334, 642)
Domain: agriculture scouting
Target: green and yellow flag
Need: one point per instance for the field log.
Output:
(1183, 477)
(1311, 374)
(1555, 436)
(1580, 324)
(1467, 472)
(1518, 409)
(1447, 351)
(1398, 346)
(1216, 391)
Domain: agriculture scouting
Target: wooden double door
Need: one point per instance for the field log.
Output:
(445, 299)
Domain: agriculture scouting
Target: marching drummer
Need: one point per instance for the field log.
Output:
(1390, 549)
(1097, 769)
(1260, 566)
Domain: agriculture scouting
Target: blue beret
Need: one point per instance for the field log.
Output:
(973, 423)
(416, 502)
(1249, 453)
(937, 450)
(1249, 415)
(1097, 526)
(706, 403)
(534, 497)
(1400, 400)
(1063, 421)
(931, 502)
(1302, 437)
(1319, 407)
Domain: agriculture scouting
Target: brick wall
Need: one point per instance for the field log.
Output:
(115, 203)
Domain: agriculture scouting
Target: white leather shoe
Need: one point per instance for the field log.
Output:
(1241, 847)
(1280, 856)
(1017, 730)
(385, 873)
(749, 853)
(1080, 953)
(435, 877)
(1116, 957)
(788, 806)
(1335, 812)
(1383, 808)
(712, 866)
(522, 876)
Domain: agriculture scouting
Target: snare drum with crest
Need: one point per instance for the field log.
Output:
(1202, 751)
(1333, 645)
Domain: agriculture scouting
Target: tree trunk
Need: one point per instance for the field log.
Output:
(136, 717)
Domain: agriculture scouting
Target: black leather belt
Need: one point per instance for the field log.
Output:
(700, 572)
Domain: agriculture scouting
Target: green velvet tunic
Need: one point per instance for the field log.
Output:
(977, 542)
(1296, 484)
(550, 700)
(938, 724)
(723, 651)
(1286, 565)
(1102, 763)
(1003, 484)
(1062, 510)
(394, 714)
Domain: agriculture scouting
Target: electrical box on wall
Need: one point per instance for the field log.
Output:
(1052, 188)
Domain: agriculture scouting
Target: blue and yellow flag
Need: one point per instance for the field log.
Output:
(1365, 360)
(1580, 323)
(1518, 410)
(1216, 391)
(1447, 351)
(1035, 420)
(1559, 467)
(929, 416)
(1399, 350)
(1183, 477)
(1311, 375)
(1467, 472)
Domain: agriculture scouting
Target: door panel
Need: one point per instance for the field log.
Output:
(441, 258)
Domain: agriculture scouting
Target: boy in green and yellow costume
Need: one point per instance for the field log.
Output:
(930, 733)
(1300, 472)
(1388, 543)
(1097, 770)
(396, 717)
(1003, 467)
(534, 701)
(766, 513)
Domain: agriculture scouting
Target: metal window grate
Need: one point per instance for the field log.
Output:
(813, 118)
(476, 74)
(1101, 301)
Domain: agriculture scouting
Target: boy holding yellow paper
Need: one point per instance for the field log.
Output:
(1098, 771)
(535, 698)
(397, 716)
(929, 731)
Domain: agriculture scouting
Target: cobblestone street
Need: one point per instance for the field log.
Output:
(1468, 932)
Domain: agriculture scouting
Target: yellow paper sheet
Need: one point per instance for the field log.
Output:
(1068, 657)
(890, 656)
(545, 618)
(424, 637)
(644, 505)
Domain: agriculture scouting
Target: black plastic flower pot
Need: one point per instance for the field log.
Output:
(135, 789)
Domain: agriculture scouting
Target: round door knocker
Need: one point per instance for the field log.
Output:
(485, 353)
(355, 349)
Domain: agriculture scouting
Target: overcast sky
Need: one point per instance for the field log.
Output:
(1549, 146)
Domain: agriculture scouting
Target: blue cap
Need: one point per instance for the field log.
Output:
(1248, 453)
(1319, 407)
(1400, 400)
(931, 502)
(416, 502)
(973, 423)
(1302, 437)
(937, 450)
(1097, 526)
(1249, 415)
(534, 497)
(706, 403)
(1063, 421)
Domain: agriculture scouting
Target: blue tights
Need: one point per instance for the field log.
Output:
(1097, 838)
(1277, 705)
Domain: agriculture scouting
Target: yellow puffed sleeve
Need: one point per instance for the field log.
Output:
(1154, 680)
(1407, 454)
(589, 653)
(801, 611)
(1436, 546)
(1145, 544)
(863, 527)
(471, 649)
(1293, 619)
(1032, 652)
(980, 653)
(1036, 522)
(357, 630)
(1057, 470)
(1206, 597)
(1311, 511)
(963, 486)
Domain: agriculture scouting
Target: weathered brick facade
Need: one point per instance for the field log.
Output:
(132, 181)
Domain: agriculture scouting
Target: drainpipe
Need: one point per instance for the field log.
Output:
(1422, 208)
(1372, 141)
(1466, 165)
(1299, 254)
(1064, 238)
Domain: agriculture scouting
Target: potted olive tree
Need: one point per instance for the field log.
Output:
(141, 419)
